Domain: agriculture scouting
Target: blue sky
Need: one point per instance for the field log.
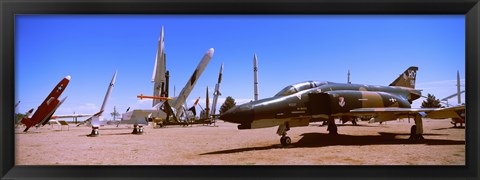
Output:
(290, 49)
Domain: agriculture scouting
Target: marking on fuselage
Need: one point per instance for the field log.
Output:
(292, 104)
(302, 108)
(393, 100)
(50, 100)
(60, 88)
(364, 99)
(298, 112)
(341, 101)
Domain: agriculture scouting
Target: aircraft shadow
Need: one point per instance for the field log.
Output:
(115, 134)
(311, 140)
(358, 125)
(347, 125)
(463, 127)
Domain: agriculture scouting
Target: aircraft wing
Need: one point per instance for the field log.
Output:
(451, 96)
(450, 112)
(386, 114)
(90, 118)
(70, 116)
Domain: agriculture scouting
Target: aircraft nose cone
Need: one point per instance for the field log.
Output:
(240, 114)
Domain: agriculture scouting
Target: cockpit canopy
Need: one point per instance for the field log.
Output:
(299, 87)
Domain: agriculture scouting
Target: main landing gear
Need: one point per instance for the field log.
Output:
(138, 130)
(94, 132)
(332, 127)
(416, 131)
(282, 131)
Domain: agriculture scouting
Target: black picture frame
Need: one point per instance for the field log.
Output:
(9, 8)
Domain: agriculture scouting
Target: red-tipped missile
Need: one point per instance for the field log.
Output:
(141, 96)
(196, 101)
(48, 106)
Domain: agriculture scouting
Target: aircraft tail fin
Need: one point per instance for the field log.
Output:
(27, 122)
(407, 78)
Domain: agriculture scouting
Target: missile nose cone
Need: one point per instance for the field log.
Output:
(68, 77)
(210, 52)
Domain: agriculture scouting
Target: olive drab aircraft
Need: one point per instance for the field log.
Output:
(299, 104)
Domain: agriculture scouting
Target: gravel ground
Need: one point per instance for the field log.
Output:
(224, 144)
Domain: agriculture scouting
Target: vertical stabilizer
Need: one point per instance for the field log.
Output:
(255, 77)
(407, 78)
(159, 69)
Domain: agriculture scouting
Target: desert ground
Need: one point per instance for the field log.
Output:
(224, 144)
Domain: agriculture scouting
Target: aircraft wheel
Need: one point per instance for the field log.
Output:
(413, 130)
(332, 129)
(413, 134)
(285, 140)
(94, 132)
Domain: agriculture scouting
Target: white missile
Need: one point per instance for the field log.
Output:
(458, 88)
(107, 95)
(255, 77)
(182, 97)
(217, 93)
(159, 69)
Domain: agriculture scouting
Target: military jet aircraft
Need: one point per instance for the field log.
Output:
(305, 102)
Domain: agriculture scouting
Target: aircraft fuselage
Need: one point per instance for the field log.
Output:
(317, 103)
(47, 108)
